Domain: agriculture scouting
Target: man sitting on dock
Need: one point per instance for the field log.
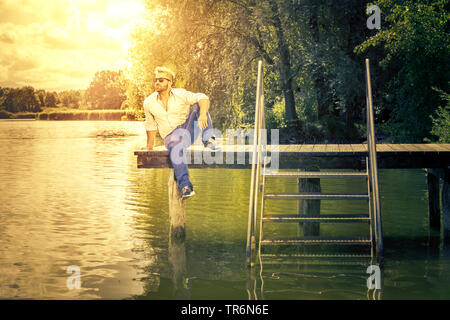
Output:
(169, 111)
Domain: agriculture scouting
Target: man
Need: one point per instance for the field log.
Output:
(169, 111)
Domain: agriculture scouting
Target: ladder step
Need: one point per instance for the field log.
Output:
(317, 240)
(317, 196)
(315, 174)
(329, 218)
(313, 255)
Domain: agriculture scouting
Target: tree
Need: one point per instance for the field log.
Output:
(417, 50)
(51, 99)
(19, 100)
(107, 90)
(40, 97)
(71, 98)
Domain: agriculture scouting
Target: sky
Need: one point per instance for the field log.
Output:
(60, 44)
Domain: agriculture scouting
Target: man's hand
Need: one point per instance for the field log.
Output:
(150, 140)
(203, 121)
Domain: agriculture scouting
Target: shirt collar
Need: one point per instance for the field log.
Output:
(170, 94)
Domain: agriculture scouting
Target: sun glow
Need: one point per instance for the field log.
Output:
(59, 45)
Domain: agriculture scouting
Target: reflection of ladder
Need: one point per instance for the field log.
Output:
(258, 181)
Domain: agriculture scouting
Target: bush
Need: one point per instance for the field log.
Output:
(42, 116)
(5, 114)
(109, 115)
(25, 115)
(441, 123)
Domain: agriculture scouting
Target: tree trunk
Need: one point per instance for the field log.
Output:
(323, 96)
(285, 67)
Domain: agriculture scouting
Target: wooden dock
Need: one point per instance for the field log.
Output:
(324, 156)
(433, 157)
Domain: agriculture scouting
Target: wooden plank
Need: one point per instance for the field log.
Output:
(388, 146)
(383, 148)
(307, 148)
(359, 147)
(294, 147)
(332, 148)
(422, 147)
(400, 148)
(300, 147)
(412, 147)
(345, 148)
(442, 147)
(303, 156)
(320, 148)
(434, 147)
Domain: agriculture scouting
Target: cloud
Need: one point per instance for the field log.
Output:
(60, 44)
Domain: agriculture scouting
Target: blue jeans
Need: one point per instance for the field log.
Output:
(180, 139)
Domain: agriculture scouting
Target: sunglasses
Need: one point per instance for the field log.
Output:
(160, 80)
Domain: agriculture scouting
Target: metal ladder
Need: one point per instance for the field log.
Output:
(374, 242)
(333, 218)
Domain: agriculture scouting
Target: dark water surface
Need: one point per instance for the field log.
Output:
(71, 195)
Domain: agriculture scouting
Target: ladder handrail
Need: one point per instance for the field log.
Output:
(371, 145)
(257, 160)
(255, 175)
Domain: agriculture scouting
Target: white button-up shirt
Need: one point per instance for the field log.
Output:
(178, 106)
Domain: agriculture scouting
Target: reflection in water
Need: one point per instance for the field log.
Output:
(177, 260)
(70, 194)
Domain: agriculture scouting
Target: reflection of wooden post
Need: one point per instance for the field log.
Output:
(177, 209)
(177, 260)
(434, 212)
(446, 204)
(310, 208)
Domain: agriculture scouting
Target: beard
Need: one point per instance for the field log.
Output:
(161, 87)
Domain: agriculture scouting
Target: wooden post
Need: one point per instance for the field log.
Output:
(310, 208)
(446, 204)
(434, 211)
(177, 209)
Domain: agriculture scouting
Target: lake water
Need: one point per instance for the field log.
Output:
(71, 195)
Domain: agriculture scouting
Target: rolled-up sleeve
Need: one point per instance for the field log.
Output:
(149, 123)
(191, 97)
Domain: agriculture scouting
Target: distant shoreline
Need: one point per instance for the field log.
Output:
(72, 114)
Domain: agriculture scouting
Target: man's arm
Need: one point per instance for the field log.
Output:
(151, 139)
(150, 126)
(204, 107)
(203, 102)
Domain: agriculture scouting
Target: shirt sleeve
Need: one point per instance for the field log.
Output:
(150, 123)
(191, 97)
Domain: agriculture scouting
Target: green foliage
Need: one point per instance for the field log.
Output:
(5, 114)
(51, 99)
(275, 116)
(19, 100)
(71, 99)
(306, 46)
(107, 90)
(441, 122)
(417, 51)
